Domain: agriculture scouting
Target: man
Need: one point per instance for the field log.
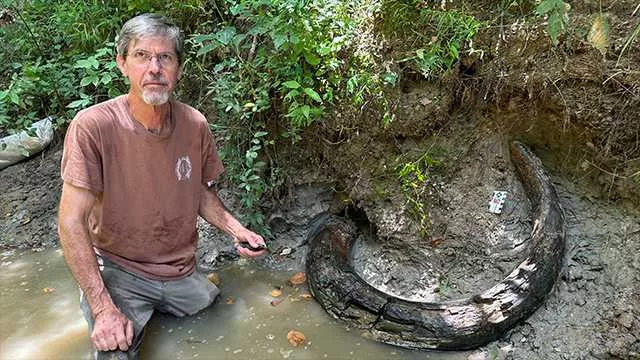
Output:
(136, 171)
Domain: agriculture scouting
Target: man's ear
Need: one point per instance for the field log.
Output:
(122, 64)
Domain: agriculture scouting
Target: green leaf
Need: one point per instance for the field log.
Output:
(198, 39)
(106, 78)
(390, 78)
(453, 51)
(82, 64)
(291, 95)
(352, 83)
(291, 84)
(78, 103)
(306, 110)
(547, 6)
(260, 134)
(279, 40)
(226, 35)
(14, 98)
(312, 94)
(85, 81)
(94, 62)
(251, 155)
(324, 50)
(238, 39)
(311, 58)
(207, 48)
(555, 27)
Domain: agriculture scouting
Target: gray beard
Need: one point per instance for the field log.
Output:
(155, 98)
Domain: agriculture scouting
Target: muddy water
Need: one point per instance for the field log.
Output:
(41, 319)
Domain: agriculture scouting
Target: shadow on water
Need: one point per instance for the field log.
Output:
(41, 319)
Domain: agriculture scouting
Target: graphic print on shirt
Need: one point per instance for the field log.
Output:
(183, 168)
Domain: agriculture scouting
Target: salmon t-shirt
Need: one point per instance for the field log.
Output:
(147, 184)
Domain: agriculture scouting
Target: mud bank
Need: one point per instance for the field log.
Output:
(593, 311)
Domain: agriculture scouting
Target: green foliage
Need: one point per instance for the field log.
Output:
(252, 183)
(436, 38)
(34, 91)
(274, 68)
(415, 185)
(289, 49)
(557, 17)
(100, 77)
(444, 287)
(58, 55)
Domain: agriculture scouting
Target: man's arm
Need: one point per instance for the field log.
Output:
(111, 329)
(215, 213)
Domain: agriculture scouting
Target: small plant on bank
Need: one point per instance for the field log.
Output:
(557, 13)
(436, 38)
(416, 184)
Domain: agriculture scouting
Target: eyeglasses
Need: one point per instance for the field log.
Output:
(166, 59)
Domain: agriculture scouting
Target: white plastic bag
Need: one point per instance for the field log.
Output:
(20, 146)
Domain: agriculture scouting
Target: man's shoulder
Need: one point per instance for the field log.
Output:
(99, 112)
(189, 113)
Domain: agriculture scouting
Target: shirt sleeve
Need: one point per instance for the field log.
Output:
(81, 164)
(211, 164)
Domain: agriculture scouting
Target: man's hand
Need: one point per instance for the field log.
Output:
(215, 213)
(255, 242)
(112, 330)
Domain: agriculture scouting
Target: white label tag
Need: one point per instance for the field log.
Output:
(497, 201)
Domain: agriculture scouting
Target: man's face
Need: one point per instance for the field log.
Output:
(152, 67)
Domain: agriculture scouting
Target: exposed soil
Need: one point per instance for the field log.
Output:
(594, 311)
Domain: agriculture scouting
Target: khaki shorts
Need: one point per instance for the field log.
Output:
(138, 298)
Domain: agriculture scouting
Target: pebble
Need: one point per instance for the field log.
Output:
(285, 353)
(479, 355)
(626, 320)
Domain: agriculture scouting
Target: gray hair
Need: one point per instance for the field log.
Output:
(147, 25)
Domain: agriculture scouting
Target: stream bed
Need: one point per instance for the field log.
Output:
(41, 319)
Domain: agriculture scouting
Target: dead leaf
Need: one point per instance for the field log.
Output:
(599, 34)
(230, 300)
(276, 302)
(298, 278)
(306, 296)
(437, 241)
(214, 278)
(48, 290)
(295, 338)
(276, 292)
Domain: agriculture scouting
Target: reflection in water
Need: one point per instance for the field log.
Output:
(41, 319)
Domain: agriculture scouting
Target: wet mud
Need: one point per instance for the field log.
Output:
(593, 312)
